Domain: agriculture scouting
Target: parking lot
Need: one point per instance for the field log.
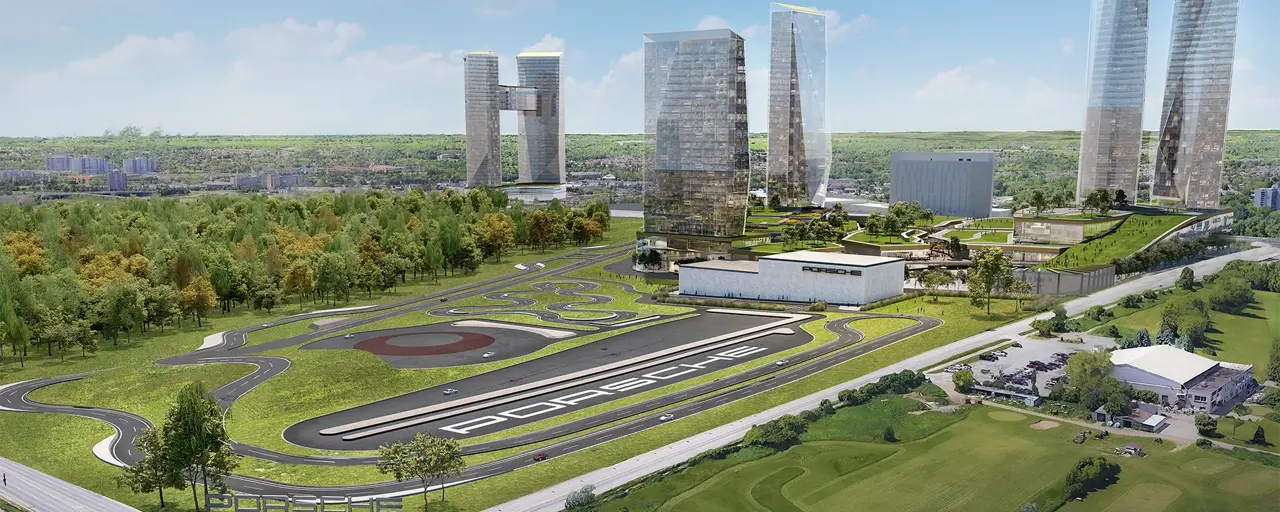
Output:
(1034, 350)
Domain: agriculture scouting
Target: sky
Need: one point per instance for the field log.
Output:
(298, 67)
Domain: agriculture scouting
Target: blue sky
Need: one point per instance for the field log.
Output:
(77, 67)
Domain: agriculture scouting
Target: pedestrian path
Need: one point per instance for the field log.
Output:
(38, 492)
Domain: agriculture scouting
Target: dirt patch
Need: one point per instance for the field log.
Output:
(1207, 466)
(1044, 425)
(326, 322)
(1006, 416)
(1253, 483)
(1146, 497)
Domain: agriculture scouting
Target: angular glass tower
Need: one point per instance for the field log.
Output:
(1111, 143)
(541, 146)
(538, 99)
(1197, 95)
(484, 98)
(799, 137)
(695, 123)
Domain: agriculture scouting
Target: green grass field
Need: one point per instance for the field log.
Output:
(993, 223)
(1242, 338)
(1135, 232)
(863, 236)
(1240, 432)
(992, 237)
(990, 460)
(777, 248)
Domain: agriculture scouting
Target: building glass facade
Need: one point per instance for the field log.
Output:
(697, 163)
(1111, 143)
(484, 98)
(541, 150)
(799, 136)
(1197, 95)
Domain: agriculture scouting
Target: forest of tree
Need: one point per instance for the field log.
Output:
(76, 272)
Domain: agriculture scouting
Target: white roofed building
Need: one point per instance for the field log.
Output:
(1182, 378)
(800, 276)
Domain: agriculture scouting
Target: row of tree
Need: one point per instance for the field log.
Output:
(73, 272)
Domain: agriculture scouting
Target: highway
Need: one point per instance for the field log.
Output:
(33, 490)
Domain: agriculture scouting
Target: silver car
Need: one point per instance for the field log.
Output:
(450, 391)
(348, 336)
(666, 417)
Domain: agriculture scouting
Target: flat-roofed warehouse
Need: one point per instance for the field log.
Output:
(801, 276)
(953, 184)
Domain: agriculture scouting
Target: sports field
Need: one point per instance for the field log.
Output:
(990, 460)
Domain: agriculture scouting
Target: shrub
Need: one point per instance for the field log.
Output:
(777, 434)
(826, 407)
(852, 397)
(1143, 395)
(1149, 295)
(809, 415)
(963, 380)
(1041, 303)
(1131, 301)
(889, 436)
(1259, 437)
(581, 499)
(1204, 443)
(1230, 295)
(1113, 331)
(1043, 327)
(1206, 425)
(818, 306)
(1090, 474)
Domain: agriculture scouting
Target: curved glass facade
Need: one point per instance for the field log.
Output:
(1197, 97)
(1111, 143)
(799, 136)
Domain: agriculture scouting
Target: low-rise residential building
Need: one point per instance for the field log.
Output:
(1181, 378)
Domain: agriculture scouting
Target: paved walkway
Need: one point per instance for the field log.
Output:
(551, 499)
(39, 492)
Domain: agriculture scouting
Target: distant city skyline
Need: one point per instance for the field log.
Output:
(295, 67)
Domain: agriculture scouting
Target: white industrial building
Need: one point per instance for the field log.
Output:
(953, 184)
(1182, 378)
(801, 276)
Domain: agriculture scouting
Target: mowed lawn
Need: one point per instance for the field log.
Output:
(1244, 338)
(1135, 232)
(984, 462)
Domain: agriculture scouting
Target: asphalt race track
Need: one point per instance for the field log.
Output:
(445, 344)
(626, 419)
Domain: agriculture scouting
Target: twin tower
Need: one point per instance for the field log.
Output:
(539, 102)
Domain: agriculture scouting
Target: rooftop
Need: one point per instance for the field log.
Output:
(732, 265)
(1166, 361)
(833, 258)
(540, 54)
(809, 10)
(688, 35)
(1217, 378)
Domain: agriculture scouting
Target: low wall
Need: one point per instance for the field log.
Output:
(1082, 281)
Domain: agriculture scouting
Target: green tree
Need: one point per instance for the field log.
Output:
(425, 458)
(991, 269)
(1230, 295)
(267, 298)
(584, 498)
(496, 234)
(1206, 425)
(196, 441)
(888, 435)
(1188, 315)
(542, 227)
(1259, 437)
(155, 471)
(934, 279)
(1187, 279)
(1038, 201)
(1043, 327)
(963, 380)
(1087, 368)
(197, 298)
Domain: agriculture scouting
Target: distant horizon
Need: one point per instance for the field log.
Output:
(293, 67)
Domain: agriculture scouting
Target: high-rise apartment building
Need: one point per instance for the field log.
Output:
(541, 146)
(138, 165)
(951, 184)
(86, 164)
(799, 136)
(1197, 95)
(1111, 143)
(695, 123)
(116, 180)
(1268, 197)
(540, 103)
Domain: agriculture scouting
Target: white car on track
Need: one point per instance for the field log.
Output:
(348, 336)
(666, 417)
(450, 391)
(487, 355)
(782, 362)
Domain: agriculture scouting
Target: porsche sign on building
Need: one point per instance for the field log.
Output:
(801, 276)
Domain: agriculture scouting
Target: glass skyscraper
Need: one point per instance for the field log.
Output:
(540, 102)
(1197, 95)
(799, 136)
(484, 98)
(695, 122)
(1111, 143)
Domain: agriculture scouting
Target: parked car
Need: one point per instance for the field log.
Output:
(540, 457)
(985, 371)
(1016, 345)
(348, 336)
(487, 355)
(444, 299)
(1001, 353)
(987, 357)
(666, 417)
(450, 391)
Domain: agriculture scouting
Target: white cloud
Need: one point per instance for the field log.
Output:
(837, 31)
(1067, 45)
(961, 83)
(984, 96)
(1243, 65)
(291, 38)
(132, 50)
(755, 30)
(612, 104)
(491, 9)
(711, 22)
(548, 43)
